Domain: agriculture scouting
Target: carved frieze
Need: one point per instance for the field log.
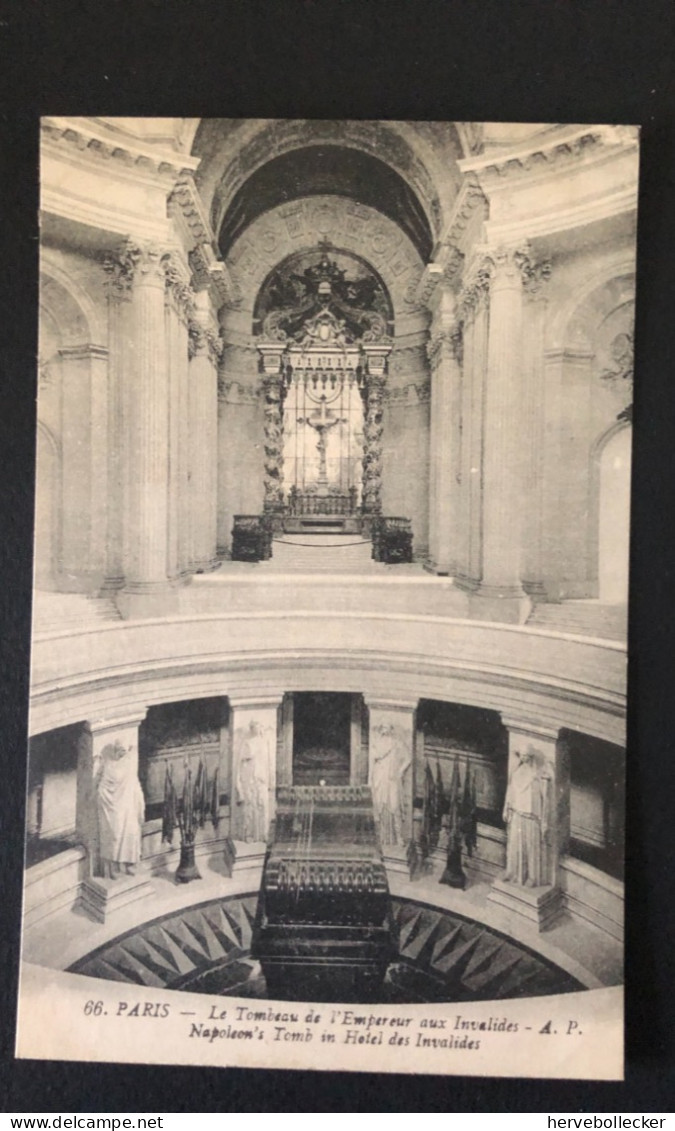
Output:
(83, 134)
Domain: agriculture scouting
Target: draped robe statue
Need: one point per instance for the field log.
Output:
(120, 808)
(391, 759)
(527, 816)
(253, 754)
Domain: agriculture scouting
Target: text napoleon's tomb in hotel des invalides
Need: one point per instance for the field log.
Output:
(327, 717)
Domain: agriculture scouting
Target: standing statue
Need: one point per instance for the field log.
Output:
(391, 760)
(253, 762)
(527, 815)
(120, 808)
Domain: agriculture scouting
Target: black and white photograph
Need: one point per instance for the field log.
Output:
(329, 643)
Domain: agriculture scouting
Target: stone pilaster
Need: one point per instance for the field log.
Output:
(254, 723)
(537, 817)
(84, 466)
(205, 350)
(147, 585)
(102, 895)
(500, 595)
(285, 741)
(391, 743)
(358, 751)
(445, 357)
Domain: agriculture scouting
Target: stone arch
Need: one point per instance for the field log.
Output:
(70, 306)
(300, 226)
(415, 151)
(609, 512)
(591, 300)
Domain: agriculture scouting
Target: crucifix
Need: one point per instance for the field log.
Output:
(322, 420)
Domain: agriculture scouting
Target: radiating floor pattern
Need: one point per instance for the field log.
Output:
(442, 956)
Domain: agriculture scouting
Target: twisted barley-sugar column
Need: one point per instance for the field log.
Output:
(372, 453)
(274, 426)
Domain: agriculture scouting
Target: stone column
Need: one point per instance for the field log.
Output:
(205, 349)
(473, 309)
(119, 278)
(84, 466)
(444, 350)
(537, 816)
(254, 724)
(533, 420)
(500, 595)
(147, 588)
(179, 304)
(102, 895)
(391, 744)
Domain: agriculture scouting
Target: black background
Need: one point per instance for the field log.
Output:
(549, 60)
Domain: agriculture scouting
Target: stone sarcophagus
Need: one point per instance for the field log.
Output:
(324, 927)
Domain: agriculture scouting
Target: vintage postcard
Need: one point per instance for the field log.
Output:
(328, 693)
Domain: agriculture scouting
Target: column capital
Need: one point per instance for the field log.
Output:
(144, 262)
(202, 342)
(530, 729)
(377, 703)
(255, 702)
(119, 276)
(476, 287)
(120, 722)
(445, 344)
(177, 286)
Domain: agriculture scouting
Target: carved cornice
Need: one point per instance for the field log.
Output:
(469, 198)
(209, 271)
(543, 152)
(454, 267)
(85, 136)
(185, 199)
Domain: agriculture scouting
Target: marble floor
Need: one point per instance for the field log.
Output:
(585, 953)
